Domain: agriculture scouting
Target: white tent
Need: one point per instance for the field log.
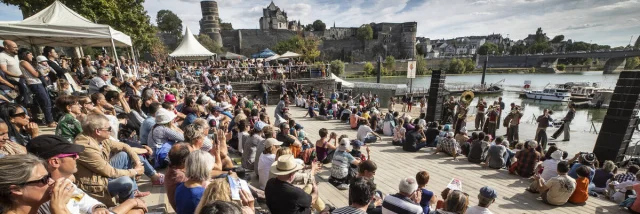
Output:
(344, 83)
(191, 49)
(274, 57)
(57, 25)
(290, 54)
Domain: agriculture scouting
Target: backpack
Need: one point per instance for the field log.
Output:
(309, 155)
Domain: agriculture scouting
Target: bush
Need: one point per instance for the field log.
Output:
(368, 69)
(561, 67)
(456, 66)
(337, 67)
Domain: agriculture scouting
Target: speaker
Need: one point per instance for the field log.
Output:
(437, 96)
(621, 119)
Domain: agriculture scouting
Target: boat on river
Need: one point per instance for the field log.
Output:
(493, 88)
(549, 94)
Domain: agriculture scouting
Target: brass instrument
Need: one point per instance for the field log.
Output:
(466, 98)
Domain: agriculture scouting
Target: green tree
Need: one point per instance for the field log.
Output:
(456, 66)
(337, 67)
(469, 65)
(169, 22)
(540, 36)
(637, 44)
(368, 68)
(365, 32)
(488, 48)
(208, 43)
(420, 49)
(632, 63)
(390, 64)
(308, 47)
(421, 65)
(518, 49)
(588, 62)
(561, 67)
(318, 25)
(158, 51)
(557, 39)
(128, 16)
(308, 27)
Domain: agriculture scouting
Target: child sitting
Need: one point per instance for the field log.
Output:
(356, 153)
(302, 137)
(580, 194)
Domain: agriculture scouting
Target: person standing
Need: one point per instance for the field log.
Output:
(541, 132)
(513, 123)
(264, 89)
(492, 120)
(52, 55)
(461, 117)
(480, 115)
(502, 106)
(36, 86)
(565, 125)
(10, 67)
(450, 110)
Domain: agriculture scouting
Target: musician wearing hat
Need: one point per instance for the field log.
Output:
(461, 117)
(450, 107)
(281, 195)
(492, 120)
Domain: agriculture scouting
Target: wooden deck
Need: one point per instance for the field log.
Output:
(394, 164)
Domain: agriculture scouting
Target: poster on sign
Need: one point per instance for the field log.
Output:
(411, 69)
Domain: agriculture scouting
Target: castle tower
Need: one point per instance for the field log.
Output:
(210, 23)
(408, 42)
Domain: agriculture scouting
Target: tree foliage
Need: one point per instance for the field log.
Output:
(389, 64)
(308, 47)
(540, 36)
(637, 44)
(337, 67)
(365, 32)
(632, 63)
(469, 64)
(318, 25)
(208, 43)
(518, 49)
(557, 39)
(421, 65)
(488, 48)
(456, 66)
(169, 22)
(368, 68)
(561, 67)
(128, 16)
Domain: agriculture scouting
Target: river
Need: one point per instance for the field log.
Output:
(513, 84)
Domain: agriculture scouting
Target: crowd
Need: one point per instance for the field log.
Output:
(221, 153)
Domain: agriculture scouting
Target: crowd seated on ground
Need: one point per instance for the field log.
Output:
(213, 142)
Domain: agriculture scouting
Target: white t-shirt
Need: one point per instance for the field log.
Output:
(363, 132)
(85, 205)
(478, 210)
(12, 63)
(264, 166)
(550, 169)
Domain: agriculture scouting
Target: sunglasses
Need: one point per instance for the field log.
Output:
(22, 114)
(74, 155)
(44, 180)
(107, 129)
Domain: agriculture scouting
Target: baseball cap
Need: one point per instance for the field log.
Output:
(271, 142)
(41, 58)
(259, 125)
(170, 98)
(47, 146)
(357, 143)
(488, 192)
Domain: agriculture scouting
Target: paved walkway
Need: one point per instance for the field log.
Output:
(394, 164)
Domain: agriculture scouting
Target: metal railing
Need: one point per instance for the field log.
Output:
(254, 73)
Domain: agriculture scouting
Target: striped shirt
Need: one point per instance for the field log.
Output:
(399, 204)
(348, 210)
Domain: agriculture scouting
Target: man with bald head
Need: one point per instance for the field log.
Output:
(9, 65)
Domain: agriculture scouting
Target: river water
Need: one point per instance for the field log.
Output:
(513, 83)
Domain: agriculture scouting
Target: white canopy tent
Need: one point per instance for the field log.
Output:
(290, 54)
(271, 58)
(345, 84)
(191, 49)
(58, 25)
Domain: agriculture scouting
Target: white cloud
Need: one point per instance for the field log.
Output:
(602, 21)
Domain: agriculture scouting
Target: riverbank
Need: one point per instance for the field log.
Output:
(360, 74)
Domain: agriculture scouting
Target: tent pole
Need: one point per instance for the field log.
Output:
(135, 63)
(115, 54)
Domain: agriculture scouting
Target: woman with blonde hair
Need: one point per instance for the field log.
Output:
(457, 202)
(602, 177)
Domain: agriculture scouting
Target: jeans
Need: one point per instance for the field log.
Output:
(43, 100)
(124, 187)
(414, 148)
(508, 156)
(513, 133)
(148, 168)
(370, 139)
(265, 97)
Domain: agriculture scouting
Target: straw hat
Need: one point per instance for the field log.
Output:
(285, 165)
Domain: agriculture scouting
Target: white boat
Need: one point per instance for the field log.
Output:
(550, 94)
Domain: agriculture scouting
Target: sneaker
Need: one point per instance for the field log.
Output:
(160, 180)
(343, 187)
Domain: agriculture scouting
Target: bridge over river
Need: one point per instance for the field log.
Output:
(615, 60)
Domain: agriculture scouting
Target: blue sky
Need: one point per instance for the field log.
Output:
(610, 22)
